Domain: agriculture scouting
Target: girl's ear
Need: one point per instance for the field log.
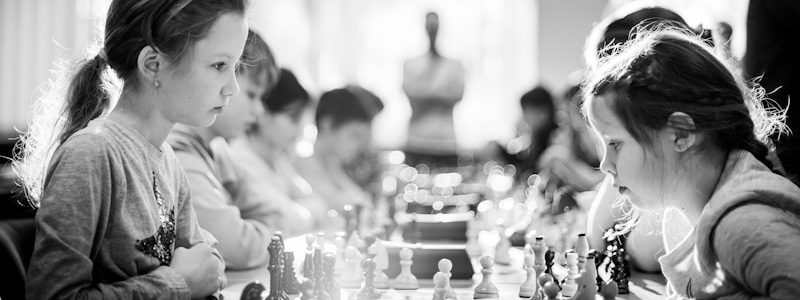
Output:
(149, 63)
(682, 129)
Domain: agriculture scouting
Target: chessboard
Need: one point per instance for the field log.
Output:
(507, 278)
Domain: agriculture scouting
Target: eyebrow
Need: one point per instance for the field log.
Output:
(224, 55)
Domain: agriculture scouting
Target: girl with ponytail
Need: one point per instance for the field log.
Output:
(115, 219)
(682, 131)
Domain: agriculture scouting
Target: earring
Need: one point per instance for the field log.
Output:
(156, 83)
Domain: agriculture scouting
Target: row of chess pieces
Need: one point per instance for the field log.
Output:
(322, 269)
(325, 272)
(582, 282)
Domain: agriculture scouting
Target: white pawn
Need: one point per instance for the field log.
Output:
(582, 247)
(351, 277)
(439, 286)
(486, 289)
(539, 263)
(406, 280)
(570, 285)
(445, 266)
(587, 281)
(381, 258)
(340, 260)
(501, 255)
(528, 287)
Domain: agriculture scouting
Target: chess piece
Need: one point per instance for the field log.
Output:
(582, 247)
(253, 291)
(501, 256)
(307, 289)
(319, 276)
(570, 286)
(528, 287)
(274, 270)
(349, 221)
(539, 251)
(331, 285)
(381, 258)
(340, 242)
(351, 278)
(609, 290)
(439, 289)
(545, 278)
(445, 266)
(486, 289)
(617, 265)
(551, 290)
(549, 258)
(588, 280)
(406, 280)
(368, 292)
(308, 262)
(282, 265)
(289, 279)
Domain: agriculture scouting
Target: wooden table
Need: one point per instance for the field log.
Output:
(506, 278)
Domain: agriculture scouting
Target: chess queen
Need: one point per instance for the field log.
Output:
(683, 133)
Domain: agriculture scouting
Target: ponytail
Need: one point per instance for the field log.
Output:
(86, 98)
(67, 106)
(744, 138)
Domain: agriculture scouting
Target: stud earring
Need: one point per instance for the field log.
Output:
(156, 83)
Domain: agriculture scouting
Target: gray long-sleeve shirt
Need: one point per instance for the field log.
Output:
(113, 210)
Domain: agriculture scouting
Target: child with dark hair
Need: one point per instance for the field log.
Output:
(536, 131)
(115, 217)
(644, 241)
(344, 125)
(264, 154)
(683, 132)
(227, 202)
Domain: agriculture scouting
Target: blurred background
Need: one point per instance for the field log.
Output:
(507, 47)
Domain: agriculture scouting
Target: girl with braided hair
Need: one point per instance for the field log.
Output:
(682, 131)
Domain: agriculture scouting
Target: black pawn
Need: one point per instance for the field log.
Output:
(289, 279)
(253, 291)
(549, 256)
(368, 292)
(332, 285)
(274, 271)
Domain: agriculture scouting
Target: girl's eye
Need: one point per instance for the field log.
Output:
(219, 66)
(614, 145)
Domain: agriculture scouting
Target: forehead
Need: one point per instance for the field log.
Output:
(225, 39)
(602, 119)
